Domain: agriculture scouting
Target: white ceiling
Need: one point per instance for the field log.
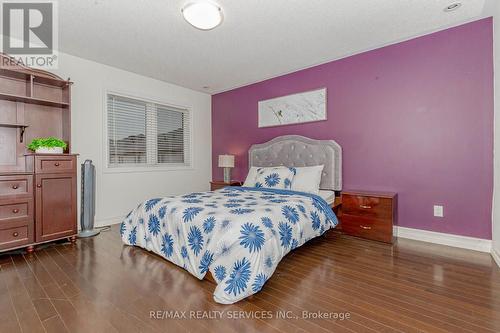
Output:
(258, 39)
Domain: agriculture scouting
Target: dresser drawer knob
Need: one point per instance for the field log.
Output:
(365, 206)
(15, 234)
(38, 185)
(365, 227)
(15, 211)
(15, 187)
(57, 164)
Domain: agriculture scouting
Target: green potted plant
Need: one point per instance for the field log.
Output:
(48, 145)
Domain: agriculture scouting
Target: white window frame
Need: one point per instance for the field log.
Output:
(126, 168)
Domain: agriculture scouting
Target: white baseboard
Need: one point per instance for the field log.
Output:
(109, 221)
(470, 243)
(496, 256)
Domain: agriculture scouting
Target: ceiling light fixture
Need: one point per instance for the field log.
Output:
(453, 6)
(202, 14)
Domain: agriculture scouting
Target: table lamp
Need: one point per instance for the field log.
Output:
(226, 162)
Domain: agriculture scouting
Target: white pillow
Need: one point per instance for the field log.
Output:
(275, 177)
(307, 179)
(250, 180)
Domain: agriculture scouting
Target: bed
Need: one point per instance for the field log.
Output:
(238, 235)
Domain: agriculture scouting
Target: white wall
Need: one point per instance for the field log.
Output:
(496, 187)
(118, 193)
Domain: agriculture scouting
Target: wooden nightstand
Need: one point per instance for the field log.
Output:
(369, 215)
(337, 206)
(217, 184)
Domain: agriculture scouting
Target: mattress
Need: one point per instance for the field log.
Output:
(328, 196)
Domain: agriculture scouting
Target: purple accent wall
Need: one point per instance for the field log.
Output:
(414, 117)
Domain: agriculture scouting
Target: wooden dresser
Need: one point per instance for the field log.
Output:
(38, 198)
(218, 184)
(369, 215)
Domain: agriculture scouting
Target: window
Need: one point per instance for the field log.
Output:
(144, 133)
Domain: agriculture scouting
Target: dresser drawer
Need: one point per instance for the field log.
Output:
(15, 210)
(55, 164)
(15, 236)
(16, 186)
(367, 227)
(369, 206)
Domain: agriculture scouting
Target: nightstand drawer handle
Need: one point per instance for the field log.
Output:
(365, 227)
(57, 164)
(15, 234)
(15, 187)
(365, 206)
(15, 211)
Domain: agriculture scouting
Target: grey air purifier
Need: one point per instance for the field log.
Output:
(87, 213)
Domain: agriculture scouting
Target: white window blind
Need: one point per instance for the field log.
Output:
(143, 133)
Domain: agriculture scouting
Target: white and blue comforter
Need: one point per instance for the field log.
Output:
(239, 234)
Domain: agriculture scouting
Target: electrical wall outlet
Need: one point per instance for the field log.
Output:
(438, 211)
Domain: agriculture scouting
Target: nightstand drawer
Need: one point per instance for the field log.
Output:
(366, 227)
(369, 206)
(216, 185)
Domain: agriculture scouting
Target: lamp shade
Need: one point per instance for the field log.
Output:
(226, 161)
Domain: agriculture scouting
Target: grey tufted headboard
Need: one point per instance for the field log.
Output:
(299, 151)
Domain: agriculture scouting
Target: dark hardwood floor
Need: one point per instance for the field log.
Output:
(99, 285)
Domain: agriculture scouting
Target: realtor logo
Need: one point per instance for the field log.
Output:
(29, 32)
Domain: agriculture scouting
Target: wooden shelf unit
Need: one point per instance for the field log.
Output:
(33, 86)
(13, 125)
(32, 100)
(37, 192)
(30, 74)
(22, 128)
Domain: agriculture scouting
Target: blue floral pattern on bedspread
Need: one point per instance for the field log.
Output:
(239, 234)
